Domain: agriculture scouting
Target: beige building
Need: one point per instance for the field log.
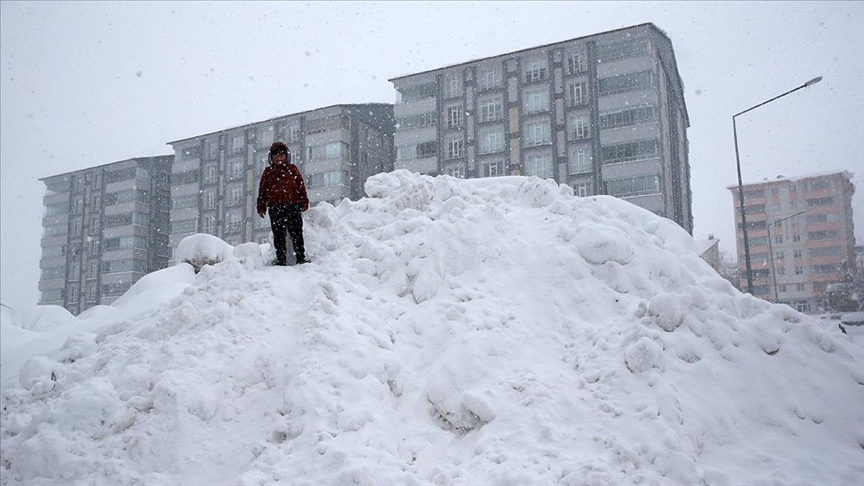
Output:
(604, 114)
(103, 228)
(800, 231)
(214, 180)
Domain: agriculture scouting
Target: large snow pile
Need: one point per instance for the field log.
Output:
(497, 331)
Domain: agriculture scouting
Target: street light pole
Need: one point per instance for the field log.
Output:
(771, 250)
(741, 184)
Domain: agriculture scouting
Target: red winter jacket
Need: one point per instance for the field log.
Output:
(282, 184)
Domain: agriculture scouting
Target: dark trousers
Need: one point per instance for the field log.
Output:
(287, 218)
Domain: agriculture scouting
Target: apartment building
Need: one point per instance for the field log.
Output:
(214, 181)
(603, 113)
(103, 229)
(800, 231)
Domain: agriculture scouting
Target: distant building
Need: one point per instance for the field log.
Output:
(709, 250)
(214, 182)
(604, 114)
(103, 229)
(800, 232)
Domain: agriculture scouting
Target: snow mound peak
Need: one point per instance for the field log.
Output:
(491, 331)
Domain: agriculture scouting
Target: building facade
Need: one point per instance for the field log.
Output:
(103, 229)
(800, 232)
(604, 114)
(214, 181)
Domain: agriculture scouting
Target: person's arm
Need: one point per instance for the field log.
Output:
(262, 193)
(301, 189)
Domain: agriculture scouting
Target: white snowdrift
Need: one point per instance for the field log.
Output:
(497, 331)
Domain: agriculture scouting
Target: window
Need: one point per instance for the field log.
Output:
(406, 152)
(422, 120)
(210, 173)
(583, 189)
(62, 208)
(536, 69)
(577, 93)
(327, 179)
(576, 62)
(626, 152)
(493, 169)
(822, 235)
(536, 100)
(452, 86)
(190, 153)
(819, 185)
(184, 202)
(799, 270)
(183, 227)
(427, 149)
(823, 218)
(118, 220)
(634, 186)
(622, 50)
(330, 123)
(333, 150)
(797, 253)
(455, 148)
(237, 142)
(825, 251)
(211, 148)
(579, 126)
(235, 195)
(119, 175)
(125, 243)
(491, 109)
(457, 171)
(454, 117)
(233, 220)
(294, 132)
(418, 92)
(266, 136)
(754, 194)
(625, 82)
(208, 224)
(208, 198)
(489, 79)
(825, 269)
(490, 141)
(188, 177)
(820, 201)
(112, 290)
(537, 133)
(237, 169)
(627, 118)
(580, 160)
(539, 165)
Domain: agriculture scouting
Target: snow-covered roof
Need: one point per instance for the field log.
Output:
(845, 173)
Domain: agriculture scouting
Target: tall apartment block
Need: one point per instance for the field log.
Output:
(604, 114)
(103, 229)
(800, 231)
(214, 180)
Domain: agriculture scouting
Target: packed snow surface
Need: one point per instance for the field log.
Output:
(448, 332)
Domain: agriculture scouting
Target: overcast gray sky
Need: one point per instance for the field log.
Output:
(89, 83)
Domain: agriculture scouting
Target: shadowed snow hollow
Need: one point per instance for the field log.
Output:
(493, 331)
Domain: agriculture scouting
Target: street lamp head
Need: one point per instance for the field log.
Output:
(813, 81)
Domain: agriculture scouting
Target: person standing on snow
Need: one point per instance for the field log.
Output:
(283, 192)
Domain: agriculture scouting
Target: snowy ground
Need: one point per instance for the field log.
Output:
(483, 332)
